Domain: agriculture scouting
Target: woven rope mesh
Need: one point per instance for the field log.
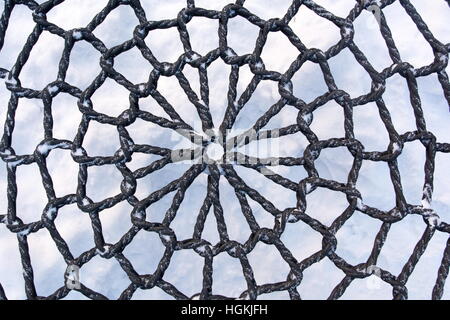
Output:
(141, 213)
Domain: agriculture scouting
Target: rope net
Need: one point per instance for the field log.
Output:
(142, 219)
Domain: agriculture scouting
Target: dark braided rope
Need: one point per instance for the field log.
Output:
(222, 171)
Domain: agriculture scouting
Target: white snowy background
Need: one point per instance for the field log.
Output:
(355, 239)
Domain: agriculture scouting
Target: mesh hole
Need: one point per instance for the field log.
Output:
(203, 34)
(104, 276)
(272, 261)
(31, 197)
(159, 40)
(64, 172)
(188, 279)
(313, 287)
(111, 98)
(145, 252)
(133, 66)
(118, 26)
(307, 25)
(75, 228)
(83, 57)
(29, 119)
(48, 264)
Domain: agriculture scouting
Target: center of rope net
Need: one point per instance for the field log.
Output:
(214, 151)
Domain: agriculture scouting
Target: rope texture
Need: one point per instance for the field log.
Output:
(142, 222)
